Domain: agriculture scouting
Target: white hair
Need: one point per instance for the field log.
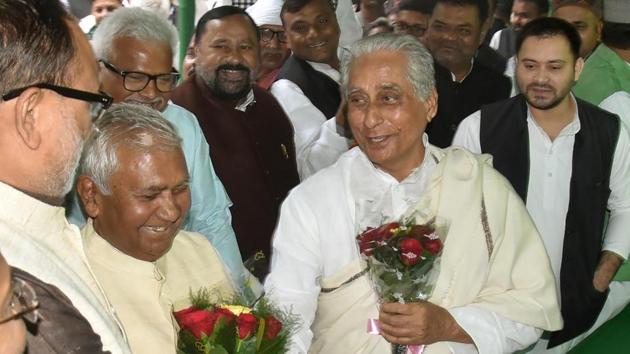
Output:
(129, 125)
(420, 72)
(133, 22)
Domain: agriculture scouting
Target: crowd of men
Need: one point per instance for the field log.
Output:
(126, 185)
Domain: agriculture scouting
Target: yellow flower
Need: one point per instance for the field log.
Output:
(237, 309)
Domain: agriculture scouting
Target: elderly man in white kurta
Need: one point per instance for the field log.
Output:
(495, 291)
(134, 188)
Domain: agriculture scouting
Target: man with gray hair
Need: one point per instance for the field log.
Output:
(134, 187)
(135, 49)
(48, 99)
(495, 290)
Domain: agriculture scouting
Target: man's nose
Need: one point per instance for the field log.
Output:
(169, 209)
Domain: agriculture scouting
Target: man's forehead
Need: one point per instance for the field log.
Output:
(456, 14)
(313, 9)
(232, 21)
(545, 49)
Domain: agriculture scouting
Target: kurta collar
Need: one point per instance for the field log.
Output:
(571, 128)
(326, 70)
(101, 251)
(240, 105)
(34, 216)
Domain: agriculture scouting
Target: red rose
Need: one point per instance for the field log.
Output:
(410, 251)
(419, 231)
(372, 238)
(196, 321)
(246, 324)
(225, 314)
(433, 246)
(273, 327)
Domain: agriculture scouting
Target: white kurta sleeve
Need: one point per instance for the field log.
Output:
(492, 333)
(467, 134)
(293, 282)
(317, 143)
(617, 238)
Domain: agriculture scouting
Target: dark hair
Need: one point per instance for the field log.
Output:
(542, 5)
(293, 6)
(422, 6)
(36, 43)
(549, 27)
(616, 35)
(481, 5)
(219, 13)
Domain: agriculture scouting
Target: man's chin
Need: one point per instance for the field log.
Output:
(157, 105)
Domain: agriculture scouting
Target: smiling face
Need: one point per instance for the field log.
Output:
(227, 56)
(313, 33)
(130, 54)
(148, 202)
(386, 117)
(546, 70)
(454, 35)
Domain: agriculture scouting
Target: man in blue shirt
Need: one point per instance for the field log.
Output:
(135, 49)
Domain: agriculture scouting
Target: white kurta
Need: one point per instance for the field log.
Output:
(37, 238)
(317, 143)
(497, 302)
(145, 294)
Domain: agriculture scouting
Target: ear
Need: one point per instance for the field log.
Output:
(579, 65)
(431, 104)
(90, 196)
(29, 113)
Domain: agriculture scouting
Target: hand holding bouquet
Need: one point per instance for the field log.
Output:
(402, 259)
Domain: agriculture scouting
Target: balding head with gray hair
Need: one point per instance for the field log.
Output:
(132, 126)
(142, 25)
(420, 72)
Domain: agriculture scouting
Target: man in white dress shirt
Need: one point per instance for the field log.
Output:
(307, 85)
(495, 291)
(49, 97)
(569, 161)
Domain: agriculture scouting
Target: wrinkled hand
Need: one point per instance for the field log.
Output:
(419, 323)
(608, 265)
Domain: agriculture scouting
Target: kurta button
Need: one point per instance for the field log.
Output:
(257, 143)
(267, 172)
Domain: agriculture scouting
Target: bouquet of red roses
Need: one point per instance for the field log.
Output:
(402, 259)
(210, 328)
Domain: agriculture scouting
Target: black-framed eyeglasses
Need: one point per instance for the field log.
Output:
(266, 35)
(98, 102)
(136, 81)
(23, 303)
(414, 30)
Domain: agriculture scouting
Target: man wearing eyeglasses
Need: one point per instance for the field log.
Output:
(49, 98)
(307, 86)
(413, 17)
(135, 47)
(273, 41)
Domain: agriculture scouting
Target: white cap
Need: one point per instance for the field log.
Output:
(266, 12)
(617, 11)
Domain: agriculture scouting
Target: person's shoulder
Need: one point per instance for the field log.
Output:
(467, 164)
(184, 120)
